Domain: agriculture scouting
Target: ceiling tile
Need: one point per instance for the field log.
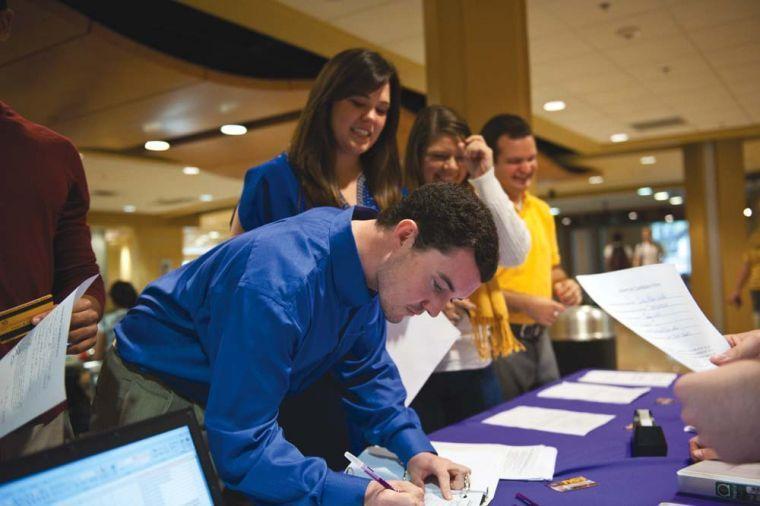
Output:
(656, 52)
(652, 25)
(578, 13)
(562, 44)
(412, 48)
(737, 33)
(330, 9)
(406, 16)
(697, 14)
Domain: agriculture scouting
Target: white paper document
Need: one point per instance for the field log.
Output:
(630, 378)
(560, 421)
(654, 303)
(32, 373)
(593, 393)
(417, 344)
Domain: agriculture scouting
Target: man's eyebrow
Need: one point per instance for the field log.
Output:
(446, 280)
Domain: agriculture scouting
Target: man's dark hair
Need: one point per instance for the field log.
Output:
(510, 125)
(123, 294)
(448, 217)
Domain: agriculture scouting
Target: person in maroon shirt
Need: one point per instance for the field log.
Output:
(45, 243)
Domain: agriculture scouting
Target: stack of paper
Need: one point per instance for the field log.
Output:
(560, 421)
(32, 373)
(488, 462)
(630, 378)
(593, 393)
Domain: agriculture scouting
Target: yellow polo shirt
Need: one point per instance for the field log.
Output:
(534, 276)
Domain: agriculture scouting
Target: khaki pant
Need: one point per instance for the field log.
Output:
(37, 437)
(126, 395)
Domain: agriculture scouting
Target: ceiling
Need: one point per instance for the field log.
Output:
(698, 60)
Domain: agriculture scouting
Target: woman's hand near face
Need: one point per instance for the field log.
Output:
(478, 157)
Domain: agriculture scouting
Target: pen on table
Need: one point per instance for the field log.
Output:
(525, 500)
(370, 472)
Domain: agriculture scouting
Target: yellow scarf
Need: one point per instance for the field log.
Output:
(490, 322)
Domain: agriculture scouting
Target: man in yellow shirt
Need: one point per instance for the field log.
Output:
(528, 288)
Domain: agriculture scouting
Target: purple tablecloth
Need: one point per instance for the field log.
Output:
(604, 455)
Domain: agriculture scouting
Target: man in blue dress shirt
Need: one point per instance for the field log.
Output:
(263, 315)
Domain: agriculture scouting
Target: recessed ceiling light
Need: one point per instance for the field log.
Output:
(677, 200)
(554, 210)
(206, 197)
(669, 218)
(554, 105)
(648, 160)
(661, 196)
(214, 234)
(191, 171)
(129, 208)
(566, 221)
(596, 180)
(621, 137)
(633, 215)
(644, 191)
(233, 129)
(747, 212)
(157, 145)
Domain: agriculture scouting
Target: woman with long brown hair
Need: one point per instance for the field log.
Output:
(343, 151)
(441, 148)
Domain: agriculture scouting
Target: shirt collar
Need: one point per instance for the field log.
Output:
(348, 273)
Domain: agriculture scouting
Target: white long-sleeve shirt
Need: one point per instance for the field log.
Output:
(514, 244)
(514, 238)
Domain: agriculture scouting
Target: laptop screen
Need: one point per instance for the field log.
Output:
(160, 469)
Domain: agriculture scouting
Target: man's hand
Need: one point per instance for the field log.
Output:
(745, 346)
(568, 292)
(458, 309)
(544, 311)
(477, 155)
(448, 474)
(723, 405)
(735, 299)
(84, 325)
(407, 495)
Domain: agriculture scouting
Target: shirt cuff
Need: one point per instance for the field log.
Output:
(342, 488)
(408, 443)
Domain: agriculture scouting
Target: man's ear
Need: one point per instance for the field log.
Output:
(405, 232)
(6, 18)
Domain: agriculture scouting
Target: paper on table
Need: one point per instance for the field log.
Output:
(560, 421)
(654, 303)
(529, 462)
(32, 373)
(593, 393)
(630, 378)
(417, 345)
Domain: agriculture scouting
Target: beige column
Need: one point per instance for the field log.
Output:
(476, 57)
(715, 198)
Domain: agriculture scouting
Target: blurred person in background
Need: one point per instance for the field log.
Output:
(617, 255)
(123, 297)
(647, 252)
(749, 276)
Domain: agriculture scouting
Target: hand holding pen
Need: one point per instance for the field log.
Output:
(388, 493)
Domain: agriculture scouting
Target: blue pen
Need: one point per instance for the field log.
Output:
(525, 500)
(370, 472)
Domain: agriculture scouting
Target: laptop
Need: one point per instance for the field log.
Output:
(162, 460)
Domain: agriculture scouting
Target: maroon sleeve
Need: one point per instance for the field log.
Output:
(73, 255)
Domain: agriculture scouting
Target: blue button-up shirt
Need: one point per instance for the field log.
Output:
(260, 317)
(271, 192)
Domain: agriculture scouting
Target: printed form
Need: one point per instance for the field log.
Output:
(654, 303)
(32, 373)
